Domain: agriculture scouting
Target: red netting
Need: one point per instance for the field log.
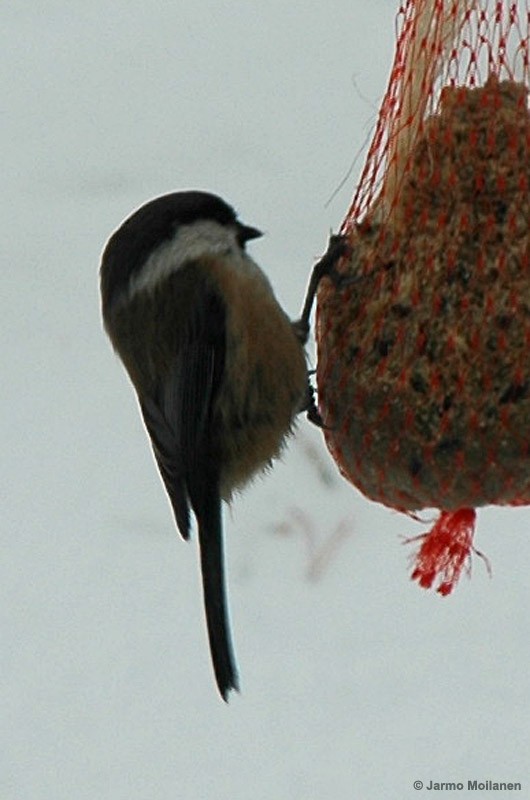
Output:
(423, 370)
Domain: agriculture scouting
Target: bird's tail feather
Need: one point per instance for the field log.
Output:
(215, 598)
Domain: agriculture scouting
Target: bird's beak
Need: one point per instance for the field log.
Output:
(247, 233)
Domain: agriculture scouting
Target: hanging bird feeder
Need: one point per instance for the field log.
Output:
(423, 350)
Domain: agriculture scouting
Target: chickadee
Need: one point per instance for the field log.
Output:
(219, 369)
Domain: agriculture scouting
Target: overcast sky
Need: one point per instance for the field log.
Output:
(355, 682)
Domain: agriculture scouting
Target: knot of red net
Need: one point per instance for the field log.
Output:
(445, 550)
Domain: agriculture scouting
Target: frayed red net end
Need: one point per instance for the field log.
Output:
(445, 550)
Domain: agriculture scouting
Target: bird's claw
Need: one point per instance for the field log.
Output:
(311, 408)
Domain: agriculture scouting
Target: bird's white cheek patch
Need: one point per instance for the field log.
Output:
(191, 243)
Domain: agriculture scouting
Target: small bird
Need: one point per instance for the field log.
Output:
(219, 369)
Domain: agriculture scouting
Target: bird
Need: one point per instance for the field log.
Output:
(219, 369)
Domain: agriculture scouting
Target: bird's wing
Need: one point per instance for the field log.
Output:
(178, 411)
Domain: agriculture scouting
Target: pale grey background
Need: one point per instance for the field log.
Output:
(354, 683)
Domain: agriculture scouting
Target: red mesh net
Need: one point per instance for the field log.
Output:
(423, 369)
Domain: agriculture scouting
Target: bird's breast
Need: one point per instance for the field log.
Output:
(265, 377)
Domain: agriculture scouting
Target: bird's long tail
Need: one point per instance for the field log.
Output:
(215, 598)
